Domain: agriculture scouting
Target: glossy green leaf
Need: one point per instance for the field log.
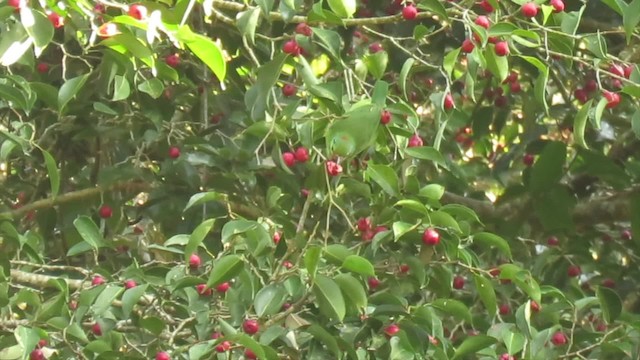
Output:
(580, 123)
(225, 269)
(53, 172)
(197, 236)
(352, 289)
(247, 22)
(486, 293)
(131, 297)
(153, 87)
(432, 191)
(269, 300)
(404, 73)
(354, 133)
(329, 298)
(384, 176)
(343, 8)
(89, 231)
(377, 63)
(472, 345)
(454, 308)
(311, 259)
(427, 153)
(549, 167)
(610, 303)
(488, 240)
(203, 197)
(209, 53)
(631, 18)
(105, 300)
(359, 265)
(37, 26)
(121, 89)
(70, 89)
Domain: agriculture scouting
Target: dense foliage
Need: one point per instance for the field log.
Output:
(333, 180)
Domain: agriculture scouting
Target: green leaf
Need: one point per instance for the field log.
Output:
(634, 210)
(571, 20)
(37, 26)
(597, 45)
(256, 98)
(203, 197)
(597, 115)
(380, 92)
(15, 96)
(224, 269)
(354, 133)
(197, 236)
(336, 253)
(413, 205)
(153, 87)
(130, 298)
(486, 293)
(580, 124)
(89, 231)
(472, 345)
(553, 208)
(359, 265)
(325, 338)
(269, 300)
(343, 8)
(105, 300)
(384, 176)
(432, 191)
(70, 89)
(454, 308)
(329, 40)
(121, 90)
(631, 18)
(377, 63)
(311, 259)
(127, 42)
(435, 7)
(247, 22)
(208, 52)
(329, 297)
(450, 60)
(404, 73)
(28, 338)
(443, 219)
(53, 172)
(352, 290)
(486, 240)
(427, 153)
(549, 168)
(610, 303)
(498, 65)
(513, 341)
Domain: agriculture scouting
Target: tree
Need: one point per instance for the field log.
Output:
(299, 180)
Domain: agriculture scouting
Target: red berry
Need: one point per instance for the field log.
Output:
(502, 48)
(515, 87)
(107, 30)
(506, 356)
(415, 141)
(364, 224)
(431, 236)
(96, 329)
(482, 21)
(373, 283)
(304, 29)
(36, 354)
(289, 90)
(591, 85)
(137, 12)
(172, 60)
(404, 268)
(580, 95)
(385, 117)
(223, 288)
(42, 343)
(130, 284)
(529, 9)
(495, 272)
(276, 237)
(42, 68)
(333, 168)
(616, 69)
(626, 234)
(628, 69)
(56, 20)
(486, 6)
(250, 326)
(287, 264)
(302, 154)
(458, 282)
(613, 99)
(291, 47)
(574, 271)
(203, 290)
(467, 46)
(375, 47)
(501, 101)
(174, 152)
(504, 309)
(528, 159)
(558, 5)
(304, 192)
(558, 338)
(553, 241)
(610, 283)
(216, 118)
(223, 346)
(73, 305)
(535, 307)
(17, 4)
(380, 229)
(162, 356)
(409, 12)
(289, 158)
(216, 335)
(194, 261)
(391, 330)
(105, 211)
(250, 354)
(448, 102)
(367, 235)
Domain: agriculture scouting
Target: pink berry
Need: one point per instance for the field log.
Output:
(172, 60)
(333, 168)
(42, 68)
(482, 21)
(558, 5)
(409, 12)
(56, 20)
(291, 47)
(137, 12)
(529, 9)
(504, 309)
(302, 154)
(558, 338)
(391, 330)
(528, 159)
(289, 90)
(574, 271)
(194, 261)
(553, 241)
(431, 236)
(502, 48)
(467, 46)
(613, 99)
(373, 283)
(375, 47)
(385, 117)
(129, 284)
(415, 141)
(448, 102)
(105, 211)
(223, 288)
(174, 152)
(364, 224)
(304, 29)
(250, 326)
(289, 158)
(96, 329)
(162, 356)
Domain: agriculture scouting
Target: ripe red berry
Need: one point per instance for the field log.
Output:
(458, 282)
(616, 69)
(385, 117)
(486, 6)
(56, 20)
(250, 326)
(96, 329)
(391, 330)
(333, 168)
(137, 12)
(506, 356)
(287, 264)
(581, 95)
(203, 290)
(129, 284)
(558, 5)
(535, 307)
(289, 158)
(276, 237)
(628, 69)
(107, 30)
(367, 235)
(528, 159)
(289, 90)
(223, 346)
(162, 356)
(558, 338)
(482, 21)
(304, 29)
(364, 224)
(17, 4)
(194, 261)
(529, 9)
(467, 46)
(515, 87)
(613, 99)
(105, 211)
(223, 288)
(502, 48)
(409, 12)
(42, 68)
(431, 236)
(36, 354)
(415, 141)
(250, 354)
(380, 229)
(373, 283)
(504, 309)
(291, 47)
(591, 85)
(42, 343)
(610, 283)
(174, 152)
(501, 101)
(172, 60)
(448, 102)
(375, 47)
(404, 268)
(302, 154)
(552, 241)
(574, 271)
